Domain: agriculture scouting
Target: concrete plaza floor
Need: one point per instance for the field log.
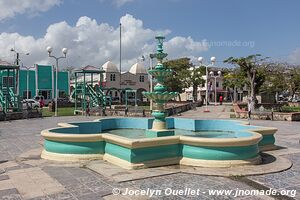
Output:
(23, 175)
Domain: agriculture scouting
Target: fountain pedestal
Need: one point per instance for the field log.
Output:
(159, 126)
(151, 133)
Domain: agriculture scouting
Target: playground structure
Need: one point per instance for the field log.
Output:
(10, 101)
(85, 94)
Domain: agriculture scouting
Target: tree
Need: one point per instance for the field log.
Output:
(251, 67)
(276, 81)
(196, 79)
(183, 77)
(233, 79)
(294, 81)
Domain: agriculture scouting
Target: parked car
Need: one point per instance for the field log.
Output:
(295, 100)
(63, 100)
(30, 103)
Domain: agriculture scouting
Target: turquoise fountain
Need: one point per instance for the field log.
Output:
(135, 143)
(160, 95)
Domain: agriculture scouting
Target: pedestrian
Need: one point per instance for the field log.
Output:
(221, 99)
(88, 108)
(249, 108)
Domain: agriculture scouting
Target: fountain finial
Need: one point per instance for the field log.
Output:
(160, 55)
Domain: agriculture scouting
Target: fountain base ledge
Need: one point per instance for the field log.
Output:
(151, 133)
(78, 141)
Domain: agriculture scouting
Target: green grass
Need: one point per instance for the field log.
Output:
(70, 111)
(61, 112)
(290, 109)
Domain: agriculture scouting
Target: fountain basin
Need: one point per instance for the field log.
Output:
(95, 140)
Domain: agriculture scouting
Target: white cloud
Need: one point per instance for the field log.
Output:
(184, 46)
(120, 3)
(92, 43)
(11, 8)
(294, 57)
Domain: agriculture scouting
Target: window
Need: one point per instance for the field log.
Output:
(142, 79)
(45, 94)
(116, 93)
(25, 94)
(8, 81)
(62, 94)
(217, 84)
(113, 77)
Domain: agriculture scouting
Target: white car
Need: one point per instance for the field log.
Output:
(31, 103)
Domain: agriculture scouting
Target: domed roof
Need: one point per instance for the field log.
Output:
(109, 67)
(138, 68)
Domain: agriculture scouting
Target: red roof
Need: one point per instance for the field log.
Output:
(4, 63)
(89, 69)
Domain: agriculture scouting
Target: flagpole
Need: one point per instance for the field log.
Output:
(120, 62)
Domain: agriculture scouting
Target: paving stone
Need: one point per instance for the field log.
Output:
(3, 177)
(12, 197)
(13, 168)
(92, 196)
(80, 190)
(6, 184)
(87, 179)
(99, 187)
(41, 198)
(60, 196)
(9, 191)
(11, 194)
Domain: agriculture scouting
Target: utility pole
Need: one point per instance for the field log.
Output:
(120, 63)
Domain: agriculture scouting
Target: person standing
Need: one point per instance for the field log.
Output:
(221, 99)
(249, 108)
(88, 108)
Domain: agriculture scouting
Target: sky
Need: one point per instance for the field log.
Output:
(193, 28)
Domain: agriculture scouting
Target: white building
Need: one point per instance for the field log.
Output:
(115, 83)
(214, 84)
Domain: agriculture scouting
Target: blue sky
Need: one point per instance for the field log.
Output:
(269, 27)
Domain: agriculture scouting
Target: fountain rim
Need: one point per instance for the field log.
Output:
(256, 136)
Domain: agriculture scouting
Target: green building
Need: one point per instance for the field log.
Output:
(41, 81)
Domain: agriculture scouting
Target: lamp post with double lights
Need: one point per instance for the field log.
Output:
(64, 51)
(213, 61)
(212, 74)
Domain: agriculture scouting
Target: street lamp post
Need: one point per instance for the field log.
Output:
(17, 62)
(213, 61)
(213, 76)
(152, 55)
(27, 80)
(64, 51)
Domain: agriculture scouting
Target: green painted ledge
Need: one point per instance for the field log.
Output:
(75, 147)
